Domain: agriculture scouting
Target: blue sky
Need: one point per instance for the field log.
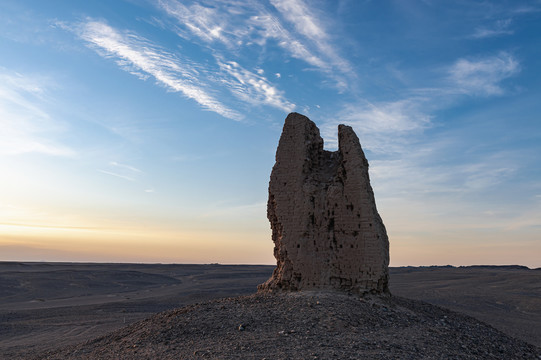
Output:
(146, 130)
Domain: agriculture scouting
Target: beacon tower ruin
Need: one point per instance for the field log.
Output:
(326, 229)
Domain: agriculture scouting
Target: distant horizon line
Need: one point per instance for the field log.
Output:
(3, 262)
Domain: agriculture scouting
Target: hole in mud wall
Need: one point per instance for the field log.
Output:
(330, 226)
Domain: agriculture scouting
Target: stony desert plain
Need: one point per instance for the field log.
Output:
(45, 306)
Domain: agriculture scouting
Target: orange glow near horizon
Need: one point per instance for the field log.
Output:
(238, 235)
(151, 245)
(43, 243)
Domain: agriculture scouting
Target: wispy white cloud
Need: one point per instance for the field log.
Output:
(253, 88)
(528, 9)
(268, 27)
(236, 24)
(232, 23)
(482, 76)
(129, 173)
(125, 166)
(425, 172)
(297, 12)
(144, 59)
(25, 126)
(390, 128)
(116, 175)
(486, 174)
(500, 27)
(122, 171)
(139, 56)
(205, 22)
(382, 127)
(312, 27)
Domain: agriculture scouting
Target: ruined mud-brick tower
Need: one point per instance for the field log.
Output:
(326, 229)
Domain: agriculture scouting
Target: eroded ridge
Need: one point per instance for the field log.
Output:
(325, 226)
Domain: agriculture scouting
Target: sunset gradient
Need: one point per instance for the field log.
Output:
(145, 131)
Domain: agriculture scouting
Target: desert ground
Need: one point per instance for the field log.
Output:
(45, 306)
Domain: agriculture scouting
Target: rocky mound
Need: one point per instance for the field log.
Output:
(305, 325)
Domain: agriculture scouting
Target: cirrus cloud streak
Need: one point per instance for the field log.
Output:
(139, 56)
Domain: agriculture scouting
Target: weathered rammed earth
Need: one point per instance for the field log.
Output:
(325, 226)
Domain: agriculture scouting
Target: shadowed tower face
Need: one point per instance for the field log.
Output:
(326, 229)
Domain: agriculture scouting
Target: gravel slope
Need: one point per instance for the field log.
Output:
(304, 325)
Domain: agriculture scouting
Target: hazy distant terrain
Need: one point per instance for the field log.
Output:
(46, 305)
(506, 297)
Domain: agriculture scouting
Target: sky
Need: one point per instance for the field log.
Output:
(145, 131)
